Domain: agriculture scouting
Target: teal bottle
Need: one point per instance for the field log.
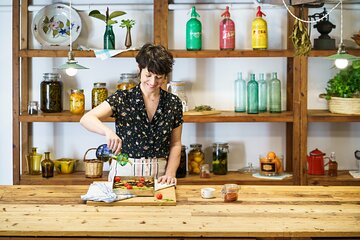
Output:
(240, 94)
(109, 38)
(252, 95)
(275, 94)
(193, 32)
(262, 93)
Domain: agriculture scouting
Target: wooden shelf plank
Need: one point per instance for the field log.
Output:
(78, 178)
(225, 116)
(64, 53)
(326, 53)
(231, 53)
(317, 115)
(343, 178)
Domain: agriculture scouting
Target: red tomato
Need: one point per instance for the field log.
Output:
(129, 186)
(140, 184)
(141, 179)
(117, 179)
(159, 196)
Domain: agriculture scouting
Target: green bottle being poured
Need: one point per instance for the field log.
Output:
(193, 32)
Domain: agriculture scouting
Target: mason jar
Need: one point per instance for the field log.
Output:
(99, 93)
(77, 101)
(51, 93)
(220, 158)
(178, 88)
(196, 158)
(127, 81)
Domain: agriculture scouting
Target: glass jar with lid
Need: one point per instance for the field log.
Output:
(178, 88)
(220, 158)
(99, 93)
(77, 101)
(127, 81)
(51, 93)
(196, 158)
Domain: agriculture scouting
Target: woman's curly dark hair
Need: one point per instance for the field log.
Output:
(155, 58)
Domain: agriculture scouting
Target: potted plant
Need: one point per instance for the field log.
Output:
(109, 36)
(343, 90)
(128, 24)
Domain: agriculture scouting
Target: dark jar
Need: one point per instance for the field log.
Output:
(181, 171)
(220, 158)
(47, 166)
(51, 93)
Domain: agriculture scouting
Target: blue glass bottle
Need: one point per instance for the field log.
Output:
(262, 93)
(252, 95)
(240, 94)
(275, 94)
(109, 38)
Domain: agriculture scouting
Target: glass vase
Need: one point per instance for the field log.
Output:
(128, 41)
(109, 38)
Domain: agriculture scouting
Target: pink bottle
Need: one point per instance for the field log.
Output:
(227, 32)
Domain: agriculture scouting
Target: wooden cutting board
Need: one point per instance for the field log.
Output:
(199, 113)
(169, 199)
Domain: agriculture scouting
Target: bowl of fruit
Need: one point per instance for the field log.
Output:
(271, 164)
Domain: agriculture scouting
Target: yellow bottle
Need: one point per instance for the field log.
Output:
(259, 31)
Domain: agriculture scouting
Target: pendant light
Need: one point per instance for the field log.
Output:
(71, 66)
(341, 58)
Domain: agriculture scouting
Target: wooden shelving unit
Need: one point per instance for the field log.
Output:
(296, 117)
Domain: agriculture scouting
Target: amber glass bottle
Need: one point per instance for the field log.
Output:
(47, 166)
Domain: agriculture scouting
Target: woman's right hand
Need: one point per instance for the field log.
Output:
(113, 141)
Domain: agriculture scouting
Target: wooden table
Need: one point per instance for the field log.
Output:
(261, 211)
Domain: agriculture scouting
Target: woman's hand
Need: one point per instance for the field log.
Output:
(113, 142)
(168, 179)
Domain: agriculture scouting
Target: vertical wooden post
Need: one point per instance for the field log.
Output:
(304, 119)
(161, 22)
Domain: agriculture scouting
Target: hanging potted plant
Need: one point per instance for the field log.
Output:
(343, 90)
(128, 24)
(109, 36)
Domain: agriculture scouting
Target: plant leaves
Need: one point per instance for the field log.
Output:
(116, 14)
(98, 15)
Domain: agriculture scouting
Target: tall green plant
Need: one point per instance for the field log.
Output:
(345, 83)
(107, 18)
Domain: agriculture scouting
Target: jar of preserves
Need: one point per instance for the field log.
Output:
(127, 81)
(196, 158)
(181, 171)
(178, 88)
(51, 93)
(220, 158)
(99, 93)
(77, 101)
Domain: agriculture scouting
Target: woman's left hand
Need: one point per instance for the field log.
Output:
(167, 179)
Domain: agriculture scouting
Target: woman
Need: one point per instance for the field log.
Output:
(148, 120)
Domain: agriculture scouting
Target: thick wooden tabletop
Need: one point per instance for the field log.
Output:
(261, 211)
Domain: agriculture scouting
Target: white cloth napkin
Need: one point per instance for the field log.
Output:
(355, 174)
(102, 192)
(105, 53)
(279, 177)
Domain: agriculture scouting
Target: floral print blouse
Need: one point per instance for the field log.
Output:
(140, 137)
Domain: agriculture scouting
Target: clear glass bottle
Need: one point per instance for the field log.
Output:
(181, 171)
(178, 88)
(47, 166)
(275, 94)
(240, 94)
(196, 158)
(127, 81)
(333, 165)
(99, 93)
(262, 93)
(51, 93)
(109, 38)
(220, 158)
(252, 95)
(77, 101)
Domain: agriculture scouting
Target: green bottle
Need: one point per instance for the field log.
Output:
(252, 95)
(193, 32)
(262, 93)
(275, 94)
(109, 38)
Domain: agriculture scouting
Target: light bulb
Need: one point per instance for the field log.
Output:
(71, 71)
(341, 63)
